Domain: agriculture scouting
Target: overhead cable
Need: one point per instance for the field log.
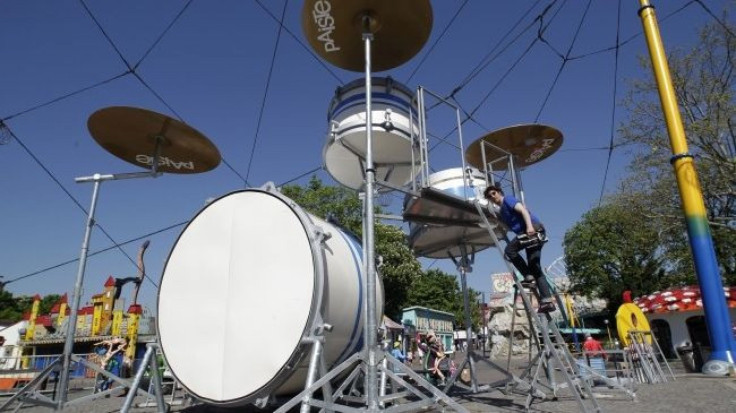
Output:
(265, 92)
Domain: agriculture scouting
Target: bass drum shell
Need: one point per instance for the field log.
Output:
(395, 154)
(242, 287)
(443, 241)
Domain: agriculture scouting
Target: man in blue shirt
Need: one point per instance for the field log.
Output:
(525, 225)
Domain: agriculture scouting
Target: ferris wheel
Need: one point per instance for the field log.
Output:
(557, 274)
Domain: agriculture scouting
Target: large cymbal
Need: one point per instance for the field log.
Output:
(131, 134)
(335, 31)
(528, 143)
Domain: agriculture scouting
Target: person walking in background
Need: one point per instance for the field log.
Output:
(595, 354)
(531, 236)
(593, 348)
(397, 354)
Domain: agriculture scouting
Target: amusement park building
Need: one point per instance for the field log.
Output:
(38, 340)
(677, 319)
(426, 320)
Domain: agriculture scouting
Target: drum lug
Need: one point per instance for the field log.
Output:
(262, 402)
(387, 124)
(322, 328)
(320, 235)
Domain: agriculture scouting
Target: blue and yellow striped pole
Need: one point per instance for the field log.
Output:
(701, 243)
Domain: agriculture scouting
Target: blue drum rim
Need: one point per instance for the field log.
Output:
(358, 99)
(356, 337)
(344, 131)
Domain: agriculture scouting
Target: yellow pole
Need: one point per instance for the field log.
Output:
(134, 315)
(701, 243)
(62, 311)
(117, 321)
(31, 329)
(570, 311)
(96, 318)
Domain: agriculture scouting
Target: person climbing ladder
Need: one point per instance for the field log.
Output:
(530, 236)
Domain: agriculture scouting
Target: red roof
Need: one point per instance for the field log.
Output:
(44, 320)
(679, 299)
(85, 310)
(110, 282)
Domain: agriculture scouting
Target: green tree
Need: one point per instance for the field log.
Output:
(10, 309)
(612, 250)
(399, 266)
(704, 80)
(47, 302)
(324, 200)
(438, 290)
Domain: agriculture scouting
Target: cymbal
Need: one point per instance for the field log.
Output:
(131, 134)
(529, 144)
(334, 29)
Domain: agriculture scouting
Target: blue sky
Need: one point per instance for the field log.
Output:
(259, 93)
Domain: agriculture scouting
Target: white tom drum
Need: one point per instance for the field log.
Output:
(454, 182)
(248, 278)
(394, 131)
(443, 241)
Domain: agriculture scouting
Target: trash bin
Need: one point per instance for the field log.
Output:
(688, 358)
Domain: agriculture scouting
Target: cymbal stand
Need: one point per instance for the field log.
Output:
(368, 361)
(464, 265)
(30, 393)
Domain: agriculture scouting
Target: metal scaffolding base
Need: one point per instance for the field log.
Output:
(401, 388)
(32, 395)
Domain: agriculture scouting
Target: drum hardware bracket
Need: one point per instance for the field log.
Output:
(262, 402)
(321, 235)
(391, 217)
(396, 188)
(387, 124)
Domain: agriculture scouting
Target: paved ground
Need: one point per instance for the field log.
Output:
(688, 393)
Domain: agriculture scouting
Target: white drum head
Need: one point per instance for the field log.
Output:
(240, 274)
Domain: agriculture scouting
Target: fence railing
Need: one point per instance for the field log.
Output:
(23, 367)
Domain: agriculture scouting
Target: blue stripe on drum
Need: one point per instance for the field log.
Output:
(375, 98)
(356, 337)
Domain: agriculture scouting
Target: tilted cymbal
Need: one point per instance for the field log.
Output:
(334, 29)
(528, 143)
(131, 134)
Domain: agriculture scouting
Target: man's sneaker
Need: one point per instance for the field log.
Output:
(546, 307)
(528, 281)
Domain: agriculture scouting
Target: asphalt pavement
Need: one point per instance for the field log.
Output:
(686, 392)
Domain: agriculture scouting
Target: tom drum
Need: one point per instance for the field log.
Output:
(246, 280)
(394, 131)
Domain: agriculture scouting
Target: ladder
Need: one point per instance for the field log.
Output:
(645, 357)
(553, 353)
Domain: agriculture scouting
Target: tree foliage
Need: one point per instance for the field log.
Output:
(705, 81)
(399, 270)
(611, 250)
(12, 308)
(638, 240)
(324, 200)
